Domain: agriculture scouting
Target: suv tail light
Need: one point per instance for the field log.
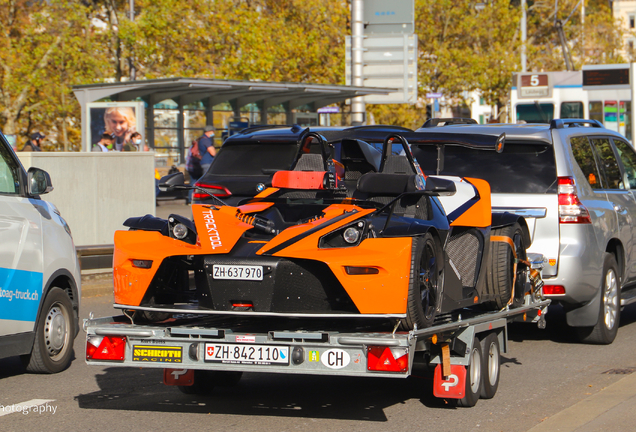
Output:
(217, 190)
(571, 210)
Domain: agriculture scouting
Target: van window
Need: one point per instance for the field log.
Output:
(584, 156)
(572, 110)
(609, 165)
(535, 112)
(9, 177)
(521, 168)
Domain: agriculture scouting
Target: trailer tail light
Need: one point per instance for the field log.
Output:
(553, 289)
(387, 359)
(111, 348)
(571, 210)
(216, 190)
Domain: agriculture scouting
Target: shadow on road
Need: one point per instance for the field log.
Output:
(557, 329)
(305, 396)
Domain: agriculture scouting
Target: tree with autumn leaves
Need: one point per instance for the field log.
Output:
(47, 47)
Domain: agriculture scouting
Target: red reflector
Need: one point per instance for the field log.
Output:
(553, 289)
(361, 270)
(216, 190)
(383, 359)
(242, 305)
(106, 348)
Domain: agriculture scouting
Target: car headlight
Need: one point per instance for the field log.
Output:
(180, 231)
(351, 235)
(347, 236)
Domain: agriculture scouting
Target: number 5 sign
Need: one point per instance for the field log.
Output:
(534, 85)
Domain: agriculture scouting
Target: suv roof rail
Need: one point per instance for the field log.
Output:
(434, 122)
(563, 123)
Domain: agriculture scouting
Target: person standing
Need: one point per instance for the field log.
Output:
(206, 148)
(133, 143)
(104, 144)
(193, 166)
(33, 145)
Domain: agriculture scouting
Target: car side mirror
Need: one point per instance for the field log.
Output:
(440, 185)
(171, 180)
(38, 181)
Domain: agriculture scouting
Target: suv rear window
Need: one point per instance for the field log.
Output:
(521, 168)
(252, 158)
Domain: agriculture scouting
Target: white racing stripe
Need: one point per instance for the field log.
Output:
(28, 407)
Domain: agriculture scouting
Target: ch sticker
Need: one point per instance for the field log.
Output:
(314, 356)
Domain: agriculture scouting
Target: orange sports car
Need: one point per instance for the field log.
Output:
(391, 244)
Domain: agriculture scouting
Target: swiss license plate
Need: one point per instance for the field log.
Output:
(246, 354)
(237, 272)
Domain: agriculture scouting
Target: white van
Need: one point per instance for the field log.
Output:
(40, 284)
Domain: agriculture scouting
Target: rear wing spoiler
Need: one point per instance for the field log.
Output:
(474, 141)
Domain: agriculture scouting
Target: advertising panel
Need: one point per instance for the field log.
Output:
(118, 119)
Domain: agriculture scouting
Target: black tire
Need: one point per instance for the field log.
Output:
(490, 355)
(54, 334)
(473, 377)
(605, 330)
(205, 381)
(147, 316)
(426, 282)
(501, 265)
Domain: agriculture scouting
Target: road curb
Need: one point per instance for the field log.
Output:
(97, 284)
(581, 413)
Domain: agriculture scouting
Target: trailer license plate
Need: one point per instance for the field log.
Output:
(247, 354)
(237, 272)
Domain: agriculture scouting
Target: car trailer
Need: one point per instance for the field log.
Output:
(199, 352)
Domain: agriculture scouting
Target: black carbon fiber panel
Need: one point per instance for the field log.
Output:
(287, 286)
(464, 251)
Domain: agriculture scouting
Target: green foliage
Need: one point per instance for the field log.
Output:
(47, 47)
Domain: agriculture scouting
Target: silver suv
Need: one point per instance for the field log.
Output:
(574, 182)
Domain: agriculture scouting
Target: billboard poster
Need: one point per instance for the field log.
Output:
(120, 120)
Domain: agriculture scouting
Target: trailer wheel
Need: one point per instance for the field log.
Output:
(426, 283)
(53, 344)
(501, 267)
(490, 365)
(473, 377)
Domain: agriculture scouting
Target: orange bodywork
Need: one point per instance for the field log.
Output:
(220, 229)
(479, 214)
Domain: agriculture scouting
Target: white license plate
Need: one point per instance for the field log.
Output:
(246, 354)
(237, 272)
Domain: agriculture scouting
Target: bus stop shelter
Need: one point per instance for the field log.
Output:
(212, 92)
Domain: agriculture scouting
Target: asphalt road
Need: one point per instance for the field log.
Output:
(543, 373)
